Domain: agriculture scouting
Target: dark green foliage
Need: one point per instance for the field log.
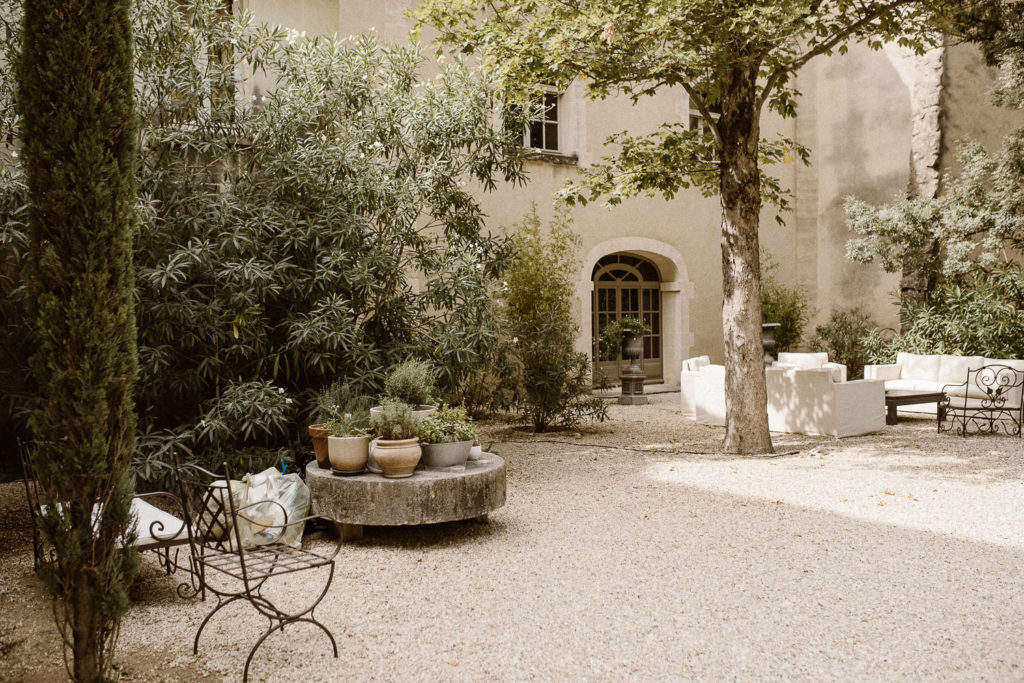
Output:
(281, 234)
(788, 306)
(981, 316)
(843, 337)
(75, 97)
(555, 381)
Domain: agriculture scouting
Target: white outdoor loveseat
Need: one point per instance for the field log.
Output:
(933, 372)
(801, 400)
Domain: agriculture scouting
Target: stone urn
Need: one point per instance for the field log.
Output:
(448, 454)
(397, 459)
(632, 349)
(348, 453)
(319, 434)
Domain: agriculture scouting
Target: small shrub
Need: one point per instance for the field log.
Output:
(843, 337)
(411, 382)
(447, 425)
(248, 413)
(788, 306)
(346, 425)
(395, 421)
(554, 386)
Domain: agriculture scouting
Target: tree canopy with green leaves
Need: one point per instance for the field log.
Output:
(734, 59)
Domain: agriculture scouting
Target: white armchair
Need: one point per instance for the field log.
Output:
(800, 401)
(810, 401)
(688, 384)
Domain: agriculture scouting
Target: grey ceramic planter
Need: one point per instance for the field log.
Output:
(450, 454)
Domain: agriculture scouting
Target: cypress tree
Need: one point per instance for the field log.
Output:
(75, 96)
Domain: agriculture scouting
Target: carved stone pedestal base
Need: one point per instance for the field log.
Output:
(632, 390)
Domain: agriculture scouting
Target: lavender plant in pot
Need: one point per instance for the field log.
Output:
(411, 382)
(447, 437)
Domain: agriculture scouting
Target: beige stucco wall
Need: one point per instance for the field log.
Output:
(856, 113)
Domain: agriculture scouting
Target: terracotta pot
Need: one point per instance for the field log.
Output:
(320, 432)
(398, 458)
(451, 454)
(348, 453)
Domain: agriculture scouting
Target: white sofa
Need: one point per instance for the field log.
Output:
(800, 400)
(933, 372)
(688, 384)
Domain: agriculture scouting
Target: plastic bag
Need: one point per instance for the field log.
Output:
(270, 496)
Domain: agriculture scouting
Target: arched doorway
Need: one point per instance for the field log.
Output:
(627, 285)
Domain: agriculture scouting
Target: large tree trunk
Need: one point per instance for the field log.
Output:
(746, 414)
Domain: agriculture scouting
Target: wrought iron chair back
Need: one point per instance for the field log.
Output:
(991, 400)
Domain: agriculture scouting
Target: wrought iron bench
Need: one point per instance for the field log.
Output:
(231, 571)
(155, 529)
(989, 401)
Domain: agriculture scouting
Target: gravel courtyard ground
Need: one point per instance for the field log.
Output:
(633, 551)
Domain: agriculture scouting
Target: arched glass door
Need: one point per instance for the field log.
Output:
(627, 285)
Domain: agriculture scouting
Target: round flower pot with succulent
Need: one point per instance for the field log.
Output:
(397, 450)
(447, 438)
(348, 446)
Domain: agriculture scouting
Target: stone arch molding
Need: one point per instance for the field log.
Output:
(676, 287)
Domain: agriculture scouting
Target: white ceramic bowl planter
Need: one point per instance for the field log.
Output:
(348, 454)
(449, 454)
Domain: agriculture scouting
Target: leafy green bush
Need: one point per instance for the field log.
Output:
(555, 387)
(412, 382)
(446, 425)
(788, 306)
(277, 232)
(843, 337)
(983, 315)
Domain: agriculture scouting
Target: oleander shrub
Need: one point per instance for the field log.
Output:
(320, 231)
(842, 336)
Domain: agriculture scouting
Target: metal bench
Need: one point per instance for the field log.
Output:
(156, 529)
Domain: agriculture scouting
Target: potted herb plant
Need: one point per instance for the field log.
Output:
(447, 437)
(397, 451)
(411, 382)
(348, 446)
(332, 403)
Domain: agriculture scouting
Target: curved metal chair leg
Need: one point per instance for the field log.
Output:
(280, 627)
(195, 642)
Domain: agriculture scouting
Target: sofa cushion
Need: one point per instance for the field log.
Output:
(917, 366)
(913, 385)
(803, 360)
(954, 368)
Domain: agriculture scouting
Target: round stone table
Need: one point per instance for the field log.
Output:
(428, 496)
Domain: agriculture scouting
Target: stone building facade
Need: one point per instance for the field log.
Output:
(878, 124)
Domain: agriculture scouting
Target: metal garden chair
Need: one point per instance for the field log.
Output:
(232, 572)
